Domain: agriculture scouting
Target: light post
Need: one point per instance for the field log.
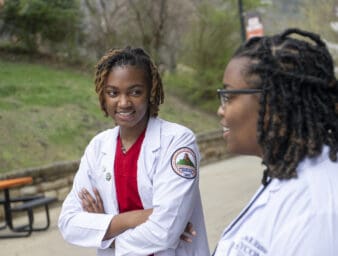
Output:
(241, 17)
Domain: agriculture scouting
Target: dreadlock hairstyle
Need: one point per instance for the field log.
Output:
(134, 57)
(298, 112)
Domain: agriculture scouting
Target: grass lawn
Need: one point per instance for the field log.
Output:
(49, 114)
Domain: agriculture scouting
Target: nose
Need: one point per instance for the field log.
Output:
(220, 111)
(123, 100)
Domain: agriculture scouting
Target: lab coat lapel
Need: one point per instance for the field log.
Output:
(107, 167)
(152, 138)
(260, 199)
(147, 161)
(266, 196)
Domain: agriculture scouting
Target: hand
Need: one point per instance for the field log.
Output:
(188, 233)
(89, 204)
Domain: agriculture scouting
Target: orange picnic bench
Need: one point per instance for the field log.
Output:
(22, 204)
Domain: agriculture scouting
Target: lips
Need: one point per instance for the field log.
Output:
(125, 115)
(224, 126)
(225, 131)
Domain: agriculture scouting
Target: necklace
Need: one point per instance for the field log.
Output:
(123, 148)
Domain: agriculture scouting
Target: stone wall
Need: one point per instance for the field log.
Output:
(212, 147)
(56, 179)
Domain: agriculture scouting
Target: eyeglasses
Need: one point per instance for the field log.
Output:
(223, 94)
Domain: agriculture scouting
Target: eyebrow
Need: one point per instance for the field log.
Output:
(129, 88)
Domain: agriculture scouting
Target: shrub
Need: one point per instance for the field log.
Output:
(32, 22)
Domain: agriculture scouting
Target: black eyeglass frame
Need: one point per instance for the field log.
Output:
(223, 93)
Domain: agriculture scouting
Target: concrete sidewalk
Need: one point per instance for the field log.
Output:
(226, 186)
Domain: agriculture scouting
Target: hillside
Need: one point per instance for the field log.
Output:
(50, 114)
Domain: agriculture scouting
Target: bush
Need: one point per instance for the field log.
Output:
(209, 45)
(185, 86)
(32, 22)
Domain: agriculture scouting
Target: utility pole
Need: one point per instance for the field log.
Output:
(241, 17)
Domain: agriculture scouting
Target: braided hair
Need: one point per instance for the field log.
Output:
(298, 106)
(134, 57)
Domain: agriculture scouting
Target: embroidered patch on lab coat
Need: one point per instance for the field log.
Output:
(248, 246)
(183, 162)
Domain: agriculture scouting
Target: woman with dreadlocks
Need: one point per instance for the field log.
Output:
(279, 103)
(136, 189)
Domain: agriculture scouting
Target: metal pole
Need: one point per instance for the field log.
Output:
(241, 17)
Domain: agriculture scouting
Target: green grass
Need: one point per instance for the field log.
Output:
(50, 114)
(35, 85)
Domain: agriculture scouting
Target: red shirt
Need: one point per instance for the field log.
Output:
(125, 171)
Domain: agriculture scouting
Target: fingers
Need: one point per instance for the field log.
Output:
(190, 229)
(86, 200)
(189, 232)
(89, 204)
(99, 202)
(186, 238)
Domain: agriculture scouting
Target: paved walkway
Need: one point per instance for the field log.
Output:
(226, 186)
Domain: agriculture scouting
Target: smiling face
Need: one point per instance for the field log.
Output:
(239, 115)
(126, 97)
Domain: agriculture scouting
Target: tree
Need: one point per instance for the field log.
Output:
(33, 21)
(214, 34)
(317, 16)
(321, 17)
(159, 26)
(103, 20)
(155, 25)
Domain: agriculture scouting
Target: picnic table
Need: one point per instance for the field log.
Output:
(24, 204)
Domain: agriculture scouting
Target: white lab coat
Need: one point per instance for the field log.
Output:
(290, 217)
(175, 199)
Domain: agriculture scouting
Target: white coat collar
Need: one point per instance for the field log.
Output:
(277, 184)
(273, 187)
(109, 145)
(152, 137)
(315, 160)
(153, 134)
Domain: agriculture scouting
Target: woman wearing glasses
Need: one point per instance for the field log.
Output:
(279, 102)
